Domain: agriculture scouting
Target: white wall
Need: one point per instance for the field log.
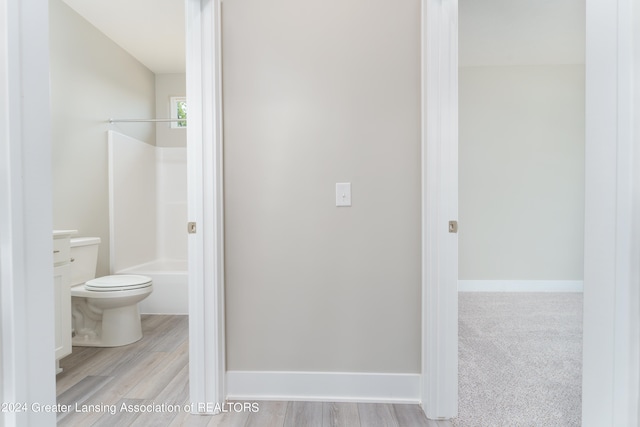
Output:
(92, 80)
(167, 86)
(521, 172)
(314, 94)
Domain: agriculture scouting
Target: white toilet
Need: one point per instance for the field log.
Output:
(105, 309)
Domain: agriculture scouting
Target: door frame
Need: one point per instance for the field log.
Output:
(439, 58)
(611, 327)
(27, 365)
(205, 206)
(611, 357)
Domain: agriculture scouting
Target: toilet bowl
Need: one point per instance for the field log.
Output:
(104, 309)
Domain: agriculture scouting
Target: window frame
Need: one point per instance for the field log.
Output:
(173, 109)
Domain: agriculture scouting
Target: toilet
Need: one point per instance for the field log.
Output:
(104, 309)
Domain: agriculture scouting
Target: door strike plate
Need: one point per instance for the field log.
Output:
(191, 227)
(453, 226)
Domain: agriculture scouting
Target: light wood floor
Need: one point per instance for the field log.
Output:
(154, 371)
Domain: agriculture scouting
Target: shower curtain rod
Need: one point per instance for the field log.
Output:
(146, 120)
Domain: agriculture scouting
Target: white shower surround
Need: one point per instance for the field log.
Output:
(147, 217)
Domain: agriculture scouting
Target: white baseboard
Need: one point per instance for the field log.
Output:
(520, 285)
(323, 386)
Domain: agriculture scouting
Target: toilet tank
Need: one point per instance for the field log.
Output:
(84, 259)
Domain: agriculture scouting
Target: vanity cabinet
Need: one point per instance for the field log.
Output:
(62, 293)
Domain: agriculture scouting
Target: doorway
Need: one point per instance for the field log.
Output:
(521, 163)
(120, 170)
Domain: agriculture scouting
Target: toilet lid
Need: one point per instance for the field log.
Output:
(118, 282)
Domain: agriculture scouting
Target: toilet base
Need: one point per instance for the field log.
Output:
(113, 327)
(118, 327)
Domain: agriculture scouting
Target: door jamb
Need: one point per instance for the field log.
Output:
(205, 206)
(26, 243)
(439, 206)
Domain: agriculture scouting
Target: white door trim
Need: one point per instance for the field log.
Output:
(26, 242)
(205, 206)
(439, 206)
(612, 233)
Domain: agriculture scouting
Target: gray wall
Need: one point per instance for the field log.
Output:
(314, 94)
(521, 172)
(167, 86)
(92, 79)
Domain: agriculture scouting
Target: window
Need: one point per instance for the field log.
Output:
(179, 111)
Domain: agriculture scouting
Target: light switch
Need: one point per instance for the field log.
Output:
(343, 194)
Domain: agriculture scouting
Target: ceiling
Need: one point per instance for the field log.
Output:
(152, 31)
(492, 32)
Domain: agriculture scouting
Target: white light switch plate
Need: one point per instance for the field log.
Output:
(343, 194)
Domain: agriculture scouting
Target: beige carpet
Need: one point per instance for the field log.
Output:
(520, 359)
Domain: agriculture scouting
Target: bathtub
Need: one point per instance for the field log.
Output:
(170, 286)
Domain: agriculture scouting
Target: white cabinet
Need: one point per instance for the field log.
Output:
(62, 293)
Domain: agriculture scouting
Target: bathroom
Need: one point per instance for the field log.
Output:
(122, 182)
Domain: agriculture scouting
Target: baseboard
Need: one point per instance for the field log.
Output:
(520, 285)
(323, 386)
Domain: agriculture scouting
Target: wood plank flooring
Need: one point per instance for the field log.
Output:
(106, 384)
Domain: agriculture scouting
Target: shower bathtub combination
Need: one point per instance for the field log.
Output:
(148, 217)
(170, 286)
